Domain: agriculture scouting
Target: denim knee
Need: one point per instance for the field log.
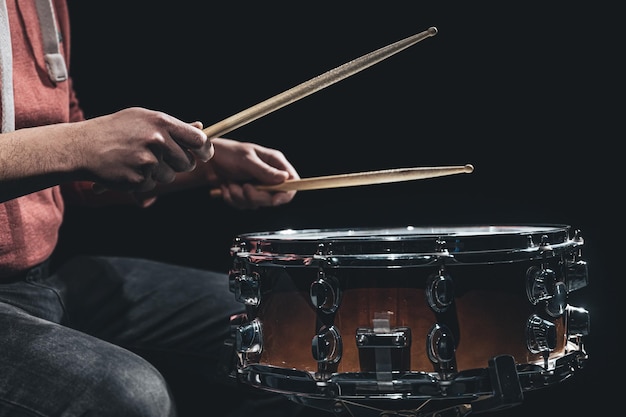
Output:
(131, 387)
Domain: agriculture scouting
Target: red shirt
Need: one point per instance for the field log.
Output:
(29, 225)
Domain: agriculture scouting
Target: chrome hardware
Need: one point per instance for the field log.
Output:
(441, 346)
(441, 247)
(544, 245)
(325, 294)
(505, 382)
(384, 350)
(578, 321)
(249, 337)
(555, 305)
(578, 237)
(577, 274)
(235, 271)
(238, 246)
(576, 269)
(324, 250)
(540, 283)
(395, 338)
(247, 288)
(326, 345)
(440, 291)
(540, 335)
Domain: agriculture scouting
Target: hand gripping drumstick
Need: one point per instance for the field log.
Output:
(362, 178)
(314, 84)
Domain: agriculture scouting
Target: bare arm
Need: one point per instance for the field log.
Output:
(36, 158)
(131, 150)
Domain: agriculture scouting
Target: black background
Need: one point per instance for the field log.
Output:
(520, 91)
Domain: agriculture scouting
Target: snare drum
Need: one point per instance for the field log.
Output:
(428, 319)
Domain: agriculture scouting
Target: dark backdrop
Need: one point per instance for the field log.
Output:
(516, 90)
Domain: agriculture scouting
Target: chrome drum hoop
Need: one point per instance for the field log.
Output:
(401, 247)
(468, 386)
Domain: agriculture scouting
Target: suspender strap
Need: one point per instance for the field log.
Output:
(6, 71)
(54, 60)
(55, 63)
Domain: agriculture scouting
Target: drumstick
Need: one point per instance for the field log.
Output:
(315, 84)
(362, 178)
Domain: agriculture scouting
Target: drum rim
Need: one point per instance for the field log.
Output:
(494, 243)
(409, 232)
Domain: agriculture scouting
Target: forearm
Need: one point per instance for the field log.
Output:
(36, 158)
(132, 150)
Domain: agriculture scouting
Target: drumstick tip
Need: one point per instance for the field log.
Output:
(469, 168)
(432, 31)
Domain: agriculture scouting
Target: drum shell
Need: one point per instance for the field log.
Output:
(488, 316)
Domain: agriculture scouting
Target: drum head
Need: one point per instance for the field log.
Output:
(405, 246)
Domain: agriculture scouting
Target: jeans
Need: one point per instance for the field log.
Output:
(106, 336)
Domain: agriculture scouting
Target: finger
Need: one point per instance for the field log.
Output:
(146, 177)
(281, 198)
(164, 174)
(189, 136)
(148, 185)
(241, 197)
(206, 151)
(225, 194)
(274, 167)
(232, 196)
(179, 159)
(148, 182)
(235, 196)
(255, 197)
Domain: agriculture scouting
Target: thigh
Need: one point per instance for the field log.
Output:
(47, 369)
(168, 313)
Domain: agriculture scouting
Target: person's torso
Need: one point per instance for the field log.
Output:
(29, 225)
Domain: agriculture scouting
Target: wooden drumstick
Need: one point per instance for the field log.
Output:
(362, 178)
(315, 84)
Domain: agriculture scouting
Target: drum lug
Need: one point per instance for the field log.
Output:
(249, 337)
(542, 285)
(577, 274)
(576, 269)
(325, 293)
(246, 287)
(578, 321)
(326, 345)
(540, 335)
(441, 349)
(229, 358)
(440, 291)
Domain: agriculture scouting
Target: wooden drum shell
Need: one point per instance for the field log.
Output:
(489, 315)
